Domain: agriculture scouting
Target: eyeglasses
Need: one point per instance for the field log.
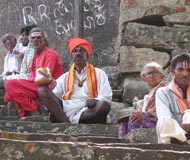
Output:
(153, 73)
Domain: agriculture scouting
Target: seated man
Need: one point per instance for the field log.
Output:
(172, 103)
(84, 90)
(18, 58)
(12, 60)
(23, 92)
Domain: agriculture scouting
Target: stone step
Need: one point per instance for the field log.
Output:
(59, 137)
(35, 119)
(48, 150)
(67, 128)
(10, 110)
(29, 118)
(142, 135)
(138, 136)
(9, 118)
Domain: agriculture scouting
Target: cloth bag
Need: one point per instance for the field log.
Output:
(43, 77)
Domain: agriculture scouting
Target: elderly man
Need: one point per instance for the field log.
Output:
(84, 91)
(23, 92)
(17, 60)
(173, 104)
(12, 60)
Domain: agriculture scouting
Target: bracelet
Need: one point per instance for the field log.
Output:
(146, 114)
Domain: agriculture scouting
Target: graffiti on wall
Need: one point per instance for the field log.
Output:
(97, 8)
(55, 13)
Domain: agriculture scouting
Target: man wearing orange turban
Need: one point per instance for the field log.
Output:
(84, 91)
(72, 43)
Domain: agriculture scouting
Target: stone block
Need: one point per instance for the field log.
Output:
(142, 135)
(115, 111)
(134, 88)
(160, 38)
(177, 18)
(138, 9)
(133, 59)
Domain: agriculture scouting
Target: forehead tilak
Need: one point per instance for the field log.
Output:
(185, 64)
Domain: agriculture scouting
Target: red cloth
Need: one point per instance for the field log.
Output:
(24, 92)
(75, 42)
(48, 58)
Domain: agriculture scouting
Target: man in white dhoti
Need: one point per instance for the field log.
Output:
(84, 90)
(173, 104)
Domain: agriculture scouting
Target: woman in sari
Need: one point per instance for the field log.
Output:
(145, 116)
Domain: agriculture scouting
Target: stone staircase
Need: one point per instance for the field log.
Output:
(34, 138)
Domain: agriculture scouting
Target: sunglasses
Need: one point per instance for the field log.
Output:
(36, 37)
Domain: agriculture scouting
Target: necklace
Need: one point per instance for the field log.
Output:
(80, 83)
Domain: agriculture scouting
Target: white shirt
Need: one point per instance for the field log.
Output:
(11, 61)
(80, 94)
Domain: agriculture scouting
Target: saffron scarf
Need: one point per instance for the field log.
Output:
(150, 106)
(90, 80)
(182, 103)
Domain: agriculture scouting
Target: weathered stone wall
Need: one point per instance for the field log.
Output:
(149, 30)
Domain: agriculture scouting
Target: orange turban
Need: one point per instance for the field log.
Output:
(75, 42)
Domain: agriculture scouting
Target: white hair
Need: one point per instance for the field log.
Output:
(152, 64)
